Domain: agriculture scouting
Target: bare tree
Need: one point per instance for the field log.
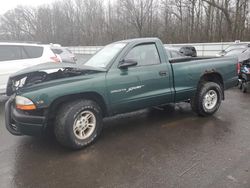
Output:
(137, 12)
(98, 22)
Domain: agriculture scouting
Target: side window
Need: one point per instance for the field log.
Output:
(56, 51)
(33, 51)
(8, 53)
(145, 54)
(24, 55)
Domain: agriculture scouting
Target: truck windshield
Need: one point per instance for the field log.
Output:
(102, 58)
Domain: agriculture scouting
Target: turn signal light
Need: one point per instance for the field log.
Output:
(26, 107)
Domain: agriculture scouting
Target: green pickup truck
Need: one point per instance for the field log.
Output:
(124, 76)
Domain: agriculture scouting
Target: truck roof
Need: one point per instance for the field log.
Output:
(151, 39)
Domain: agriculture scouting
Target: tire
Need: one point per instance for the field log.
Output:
(244, 87)
(207, 99)
(72, 125)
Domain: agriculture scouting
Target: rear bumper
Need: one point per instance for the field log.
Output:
(19, 123)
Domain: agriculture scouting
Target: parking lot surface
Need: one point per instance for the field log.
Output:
(169, 147)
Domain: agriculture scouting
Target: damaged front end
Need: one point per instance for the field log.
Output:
(24, 116)
(33, 77)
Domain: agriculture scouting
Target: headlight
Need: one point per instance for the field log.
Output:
(24, 103)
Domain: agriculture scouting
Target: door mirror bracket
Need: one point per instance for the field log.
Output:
(124, 64)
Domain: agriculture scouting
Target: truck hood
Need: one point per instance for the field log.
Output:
(45, 73)
(51, 66)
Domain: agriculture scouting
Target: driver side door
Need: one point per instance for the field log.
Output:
(146, 84)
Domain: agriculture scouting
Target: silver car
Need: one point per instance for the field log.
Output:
(173, 53)
(242, 54)
(233, 48)
(64, 54)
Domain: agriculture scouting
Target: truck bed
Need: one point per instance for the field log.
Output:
(191, 70)
(186, 59)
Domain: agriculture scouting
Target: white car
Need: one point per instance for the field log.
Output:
(17, 56)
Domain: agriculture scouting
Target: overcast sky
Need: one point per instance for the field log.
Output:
(10, 4)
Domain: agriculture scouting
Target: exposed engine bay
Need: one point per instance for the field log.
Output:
(28, 79)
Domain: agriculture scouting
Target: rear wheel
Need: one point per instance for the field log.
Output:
(207, 99)
(78, 124)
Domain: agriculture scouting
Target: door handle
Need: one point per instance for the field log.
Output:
(163, 73)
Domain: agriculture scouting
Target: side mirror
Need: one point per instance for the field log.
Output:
(127, 63)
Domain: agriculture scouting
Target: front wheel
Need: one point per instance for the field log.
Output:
(78, 124)
(207, 99)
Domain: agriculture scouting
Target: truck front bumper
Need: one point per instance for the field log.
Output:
(19, 123)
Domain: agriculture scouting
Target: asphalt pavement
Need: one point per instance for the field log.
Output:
(169, 147)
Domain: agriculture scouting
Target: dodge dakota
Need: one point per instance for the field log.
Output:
(124, 76)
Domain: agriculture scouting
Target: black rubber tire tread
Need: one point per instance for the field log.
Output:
(64, 122)
(197, 103)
